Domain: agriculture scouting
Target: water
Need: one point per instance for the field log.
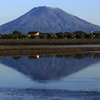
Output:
(67, 45)
(74, 76)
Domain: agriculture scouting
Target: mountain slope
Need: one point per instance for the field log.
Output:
(47, 19)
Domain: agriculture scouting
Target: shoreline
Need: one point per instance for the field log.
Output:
(42, 50)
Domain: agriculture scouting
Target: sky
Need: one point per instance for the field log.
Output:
(88, 10)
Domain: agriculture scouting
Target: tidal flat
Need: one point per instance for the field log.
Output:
(29, 50)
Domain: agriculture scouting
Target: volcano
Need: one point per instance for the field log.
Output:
(48, 20)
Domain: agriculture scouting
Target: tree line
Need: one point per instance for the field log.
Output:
(60, 35)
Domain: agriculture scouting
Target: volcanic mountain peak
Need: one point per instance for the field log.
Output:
(48, 19)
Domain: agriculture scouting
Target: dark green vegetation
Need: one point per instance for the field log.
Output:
(75, 38)
(60, 35)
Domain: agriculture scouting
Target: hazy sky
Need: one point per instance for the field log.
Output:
(88, 10)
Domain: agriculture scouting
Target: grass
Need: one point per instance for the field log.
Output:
(49, 41)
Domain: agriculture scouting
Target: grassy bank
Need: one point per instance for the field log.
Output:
(49, 41)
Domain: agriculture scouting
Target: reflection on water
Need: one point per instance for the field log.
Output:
(68, 71)
(11, 78)
(86, 79)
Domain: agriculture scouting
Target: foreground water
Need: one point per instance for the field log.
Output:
(74, 76)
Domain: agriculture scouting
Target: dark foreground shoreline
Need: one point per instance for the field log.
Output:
(42, 50)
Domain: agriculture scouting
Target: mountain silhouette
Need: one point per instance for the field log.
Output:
(47, 19)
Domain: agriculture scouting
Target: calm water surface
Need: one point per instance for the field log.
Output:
(71, 45)
(73, 72)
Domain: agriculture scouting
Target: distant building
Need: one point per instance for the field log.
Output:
(33, 33)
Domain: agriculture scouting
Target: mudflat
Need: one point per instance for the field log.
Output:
(34, 50)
